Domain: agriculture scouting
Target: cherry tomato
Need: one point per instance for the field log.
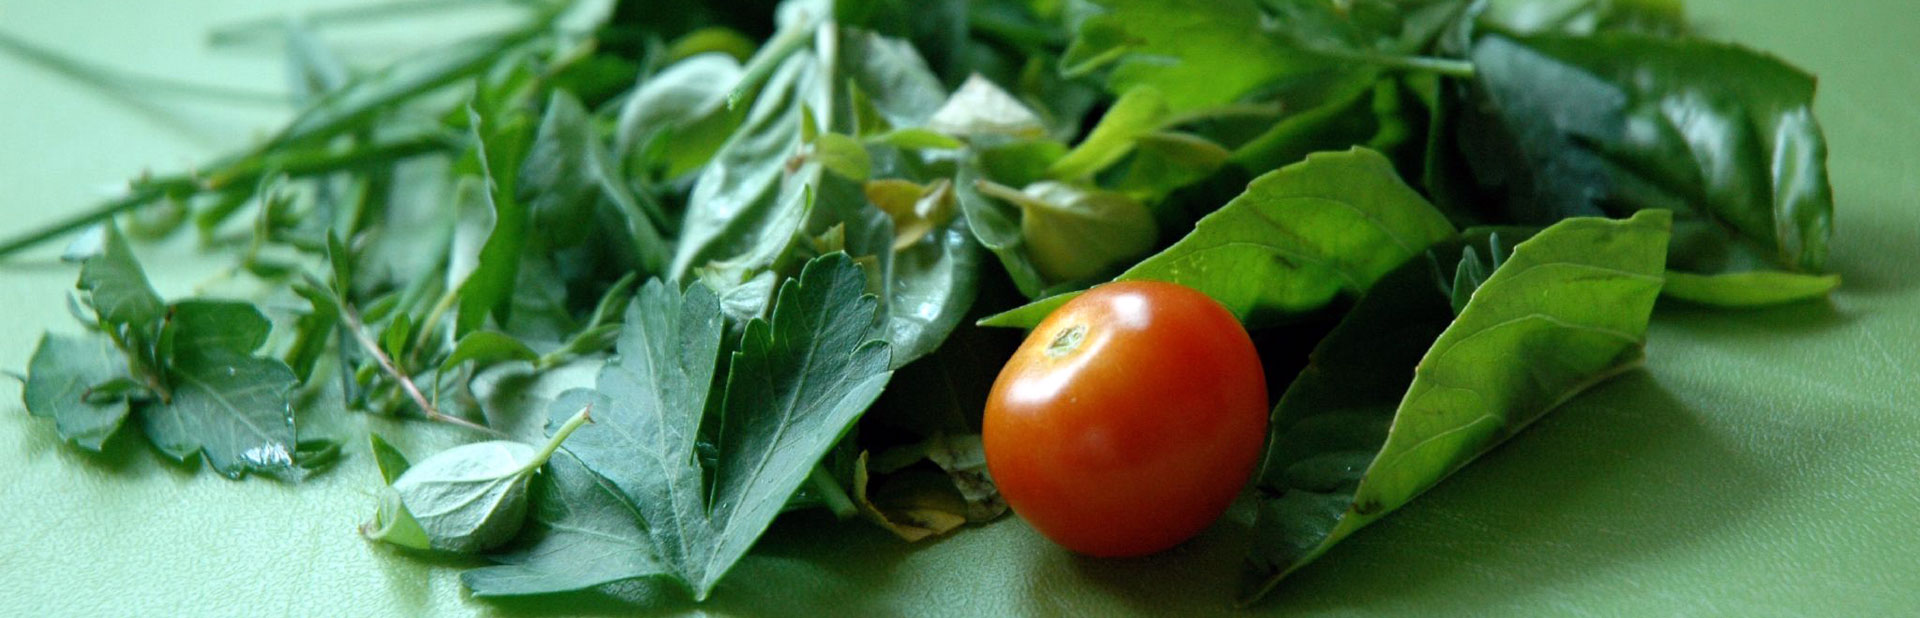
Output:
(1128, 420)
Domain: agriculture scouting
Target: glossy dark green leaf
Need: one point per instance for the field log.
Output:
(63, 371)
(1620, 122)
(1358, 435)
(1297, 238)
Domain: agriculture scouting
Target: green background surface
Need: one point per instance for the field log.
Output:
(1764, 463)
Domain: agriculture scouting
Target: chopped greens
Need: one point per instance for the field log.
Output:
(827, 202)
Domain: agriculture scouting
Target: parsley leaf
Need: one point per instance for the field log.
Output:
(63, 372)
(796, 384)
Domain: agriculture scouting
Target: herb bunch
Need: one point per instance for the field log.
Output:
(787, 231)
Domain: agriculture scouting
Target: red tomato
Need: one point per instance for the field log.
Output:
(1128, 420)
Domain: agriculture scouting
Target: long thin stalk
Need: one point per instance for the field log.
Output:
(359, 332)
(120, 81)
(148, 190)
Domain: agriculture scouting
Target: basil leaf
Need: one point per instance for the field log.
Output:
(1140, 111)
(1620, 122)
(794, 387)
(1357, 435)
(225, 403)
(1748, 289)
(61, 374)
(1296, 239)
(1197, 52)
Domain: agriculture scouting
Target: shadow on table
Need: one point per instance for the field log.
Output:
(1620, 478)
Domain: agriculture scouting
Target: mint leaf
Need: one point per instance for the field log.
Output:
(226, 403)
(61, 374)
(795, 386)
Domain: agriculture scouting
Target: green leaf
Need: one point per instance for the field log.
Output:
(843, 155)
(1326, 111)
(1620, 122)
(1357, 435)
(116, 286)
(566, 172)
(60, 376)
(226, 403)
(1140, 111)
(313, 331)
(1585, 17)
(684, 106)
(391, 462)
(746, 206)
(1198, 52)
(916, 139)
(465, 499)
(996, 225)
(980, 107)
(1748, 289)
(498, 143)
(1073, 233)
(794, 387)
(1165, 161)
(582, 532)
(486, 347)
(1297, 238)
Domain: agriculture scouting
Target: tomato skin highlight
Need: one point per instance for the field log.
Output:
(1128, 420)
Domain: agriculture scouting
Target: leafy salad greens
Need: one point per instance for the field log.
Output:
(788, 235)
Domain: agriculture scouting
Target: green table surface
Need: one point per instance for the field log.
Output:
(1764, 462)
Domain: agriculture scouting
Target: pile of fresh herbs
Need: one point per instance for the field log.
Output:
(774, 227)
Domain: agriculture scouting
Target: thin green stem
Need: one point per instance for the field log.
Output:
(761, 66)
(298, 164)
(115, 80)
(582, 417)
(831, 493)
(1428, 64)
(351, 320)
(242, 32)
